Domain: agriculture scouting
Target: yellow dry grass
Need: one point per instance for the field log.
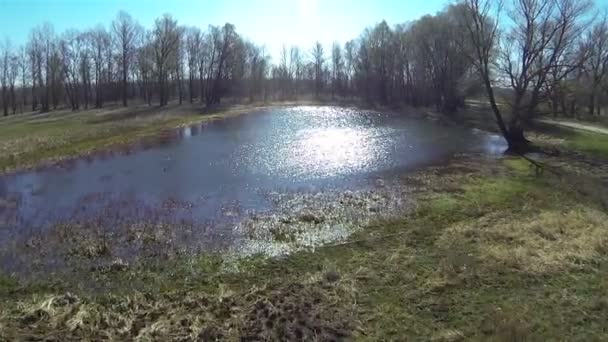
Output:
(548, 241)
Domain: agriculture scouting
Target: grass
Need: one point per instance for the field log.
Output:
(592, 143)
(492, 253)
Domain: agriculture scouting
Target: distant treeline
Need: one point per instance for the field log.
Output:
(549, 54)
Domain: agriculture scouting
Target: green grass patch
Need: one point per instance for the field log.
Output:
(593, 143)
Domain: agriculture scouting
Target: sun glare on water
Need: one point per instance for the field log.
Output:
(331, 151)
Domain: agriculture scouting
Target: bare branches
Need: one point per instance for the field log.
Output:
(125, 31)
(536, 48)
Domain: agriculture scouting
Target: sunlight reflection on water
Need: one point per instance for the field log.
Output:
(331, 151)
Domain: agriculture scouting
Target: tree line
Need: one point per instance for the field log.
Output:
(539, 55)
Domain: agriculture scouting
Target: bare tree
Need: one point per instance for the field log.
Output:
(349, 62)
(124, 29)
(318, 61)
(5, 56)
(224, 42)
(165, 44)
(180, 52)
(71, 48)
(596, 67)
(284, 72)
(541, 31)
(296, 68)
(85, 67)
(194, 44)
(480, 21)
(337, 65)
(23, 66)
(13, 74)
(542, 55)
(100, 41)
(145, 61)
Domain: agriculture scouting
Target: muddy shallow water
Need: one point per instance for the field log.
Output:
(224, 171)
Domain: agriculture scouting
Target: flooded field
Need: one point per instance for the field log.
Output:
(294, 176)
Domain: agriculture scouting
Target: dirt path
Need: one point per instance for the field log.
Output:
(576, 125)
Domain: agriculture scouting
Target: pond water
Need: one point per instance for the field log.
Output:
(205, 171)
(236, 160)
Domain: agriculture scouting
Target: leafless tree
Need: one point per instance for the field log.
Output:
(5, 56)
(178, 67)
(101, 42)
(541, 55)
(194, 45)
(23, 66)
(542, 29)
(540, 33)
(124, 29)
(224, 41)
(337, 66)
(349, 62)
(318, 61)
(86, 54)
(165, 44)
(145, 63)
(71, 46)
(596, 67)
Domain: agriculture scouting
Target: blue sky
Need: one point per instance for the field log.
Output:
(269, 22)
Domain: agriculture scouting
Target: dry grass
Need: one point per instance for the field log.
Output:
(548, 241)
(311, 309)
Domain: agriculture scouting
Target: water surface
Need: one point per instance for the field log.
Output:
(224, 168)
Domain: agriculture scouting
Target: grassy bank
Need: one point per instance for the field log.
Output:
(493, 252)
(29, 140)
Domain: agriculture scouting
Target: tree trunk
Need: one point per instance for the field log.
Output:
(180, 87)
(124, 79)
(161, 86)
(13, 99)
(191, 88)
(4, 101)
(202, 83)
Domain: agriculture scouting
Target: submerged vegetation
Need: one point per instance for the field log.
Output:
(493, 251)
